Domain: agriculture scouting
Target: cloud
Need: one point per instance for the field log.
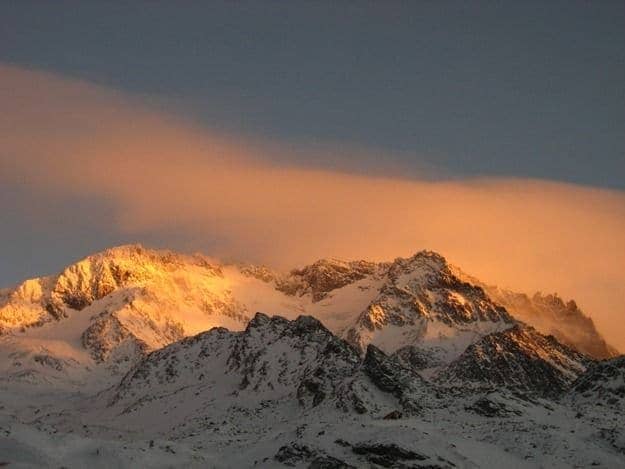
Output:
(164, 175)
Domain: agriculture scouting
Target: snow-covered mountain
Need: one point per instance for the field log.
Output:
(137, 357)
(420, 301)
(518, 358)
(275, 367)
(109, 310)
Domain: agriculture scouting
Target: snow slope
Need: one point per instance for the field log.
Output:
(291, 394)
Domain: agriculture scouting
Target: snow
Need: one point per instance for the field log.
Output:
(189, 405)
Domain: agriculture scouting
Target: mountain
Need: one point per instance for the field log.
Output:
(140, 358)
(275, 367)
(518, 358)
(110, 309)
(421, 301)
(132, 280)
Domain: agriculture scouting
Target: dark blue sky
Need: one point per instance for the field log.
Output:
(527, 89)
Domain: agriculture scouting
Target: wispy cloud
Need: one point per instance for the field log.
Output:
(166, 175)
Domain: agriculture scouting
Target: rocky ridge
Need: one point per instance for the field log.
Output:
(551, 315)
(274, 362)
(519, 358)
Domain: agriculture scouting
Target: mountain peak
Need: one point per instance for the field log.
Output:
(430, 256)
(326, 275)
(422, 295)
(425, 267)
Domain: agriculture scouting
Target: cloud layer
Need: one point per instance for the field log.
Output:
(162, 174)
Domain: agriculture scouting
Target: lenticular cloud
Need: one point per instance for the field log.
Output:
(164, 175)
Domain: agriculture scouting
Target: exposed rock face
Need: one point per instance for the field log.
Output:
(603, 385)
(260, 272)
(390, 376)
(107, 334)
(490, 408)
(519, 358)
(295, 454)
(387, 455)
(416, 358)
(325, 275)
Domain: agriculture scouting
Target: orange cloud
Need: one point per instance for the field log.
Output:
(162, 173)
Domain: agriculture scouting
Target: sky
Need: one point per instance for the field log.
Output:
(284, 132)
